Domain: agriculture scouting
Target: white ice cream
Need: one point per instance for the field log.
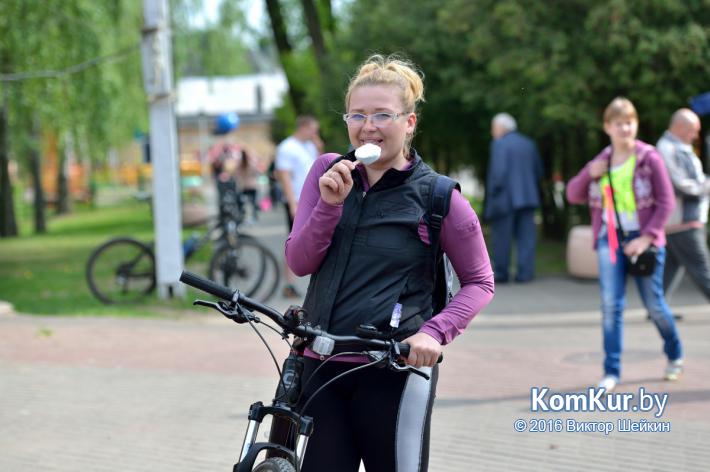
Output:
(368, 153)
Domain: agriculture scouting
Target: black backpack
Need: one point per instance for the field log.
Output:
(439, 201)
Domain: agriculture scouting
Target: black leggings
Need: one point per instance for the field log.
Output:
(377, 415)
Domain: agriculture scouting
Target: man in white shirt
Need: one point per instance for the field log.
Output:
(294, 157)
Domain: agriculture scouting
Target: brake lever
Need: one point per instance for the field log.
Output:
(236, 313)
(408, 368)
(212, 305)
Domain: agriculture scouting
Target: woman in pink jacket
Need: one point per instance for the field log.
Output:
(644, 200)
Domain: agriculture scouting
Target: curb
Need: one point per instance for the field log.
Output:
(6, 309)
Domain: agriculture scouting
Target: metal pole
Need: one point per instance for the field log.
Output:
(157, 78)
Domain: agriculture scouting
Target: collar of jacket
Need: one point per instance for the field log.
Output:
(392, 177)
(641, 151)
(676, 140)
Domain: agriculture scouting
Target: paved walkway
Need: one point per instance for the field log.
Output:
(104, 394)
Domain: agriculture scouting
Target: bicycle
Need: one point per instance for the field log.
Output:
(122, 270)
(290, 427)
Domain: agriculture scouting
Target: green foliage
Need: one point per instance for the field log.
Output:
(102, 103)
(215, 49)
(553, 65)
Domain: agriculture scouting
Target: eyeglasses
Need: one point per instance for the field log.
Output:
(379, 120)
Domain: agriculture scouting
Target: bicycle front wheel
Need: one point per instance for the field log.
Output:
(275, 464)
(121, 270)
(240, 267)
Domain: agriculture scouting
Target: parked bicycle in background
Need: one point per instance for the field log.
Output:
(122, 270)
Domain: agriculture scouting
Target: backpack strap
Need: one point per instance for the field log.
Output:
(439, 201)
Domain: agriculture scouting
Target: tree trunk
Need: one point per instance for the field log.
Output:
(35, 161)
(325, 10)
(62, 181)
(283, 46)
(8, 223)
(315, 31)
(90, 180)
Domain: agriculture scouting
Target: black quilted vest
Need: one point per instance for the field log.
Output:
(377, 259)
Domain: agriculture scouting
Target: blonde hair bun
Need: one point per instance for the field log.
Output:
(390, 70)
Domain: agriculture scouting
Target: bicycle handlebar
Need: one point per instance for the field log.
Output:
(208, 286)
(305, 331)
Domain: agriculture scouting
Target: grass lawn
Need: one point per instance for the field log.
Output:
(45, 274)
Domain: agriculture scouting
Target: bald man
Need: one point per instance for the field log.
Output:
(687, 243)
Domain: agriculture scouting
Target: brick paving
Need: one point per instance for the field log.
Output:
(106, 394)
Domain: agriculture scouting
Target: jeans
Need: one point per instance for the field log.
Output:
(612, 282)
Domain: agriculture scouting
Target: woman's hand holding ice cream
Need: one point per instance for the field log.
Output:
(335, 184)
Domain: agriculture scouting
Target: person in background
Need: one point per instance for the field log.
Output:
(246, 172)
(512, 196)
(294, 157)
(224, 157)
(644, 200)
(685, 230)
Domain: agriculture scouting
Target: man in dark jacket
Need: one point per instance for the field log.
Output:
(512, 195)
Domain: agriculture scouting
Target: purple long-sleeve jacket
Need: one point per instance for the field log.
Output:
(653, 192)
(461, 240)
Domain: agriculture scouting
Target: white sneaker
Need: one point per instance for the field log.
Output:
(608, 383)
(673, 370)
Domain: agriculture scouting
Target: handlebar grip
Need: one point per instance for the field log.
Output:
(404, 349)
(207, 285)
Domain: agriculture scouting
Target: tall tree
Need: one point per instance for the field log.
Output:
(75, 70)
(215, 48)
(315, 31)
(285, 51)
(8, 223)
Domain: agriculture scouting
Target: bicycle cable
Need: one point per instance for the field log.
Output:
(315, 371)
(268, 348)
(290, 346)
(280, 333)
(337, 377)
(291, 432)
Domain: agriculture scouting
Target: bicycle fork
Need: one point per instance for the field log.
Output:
(285, 422)
(251, 448)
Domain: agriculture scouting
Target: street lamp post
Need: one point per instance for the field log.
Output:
(158, 82)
